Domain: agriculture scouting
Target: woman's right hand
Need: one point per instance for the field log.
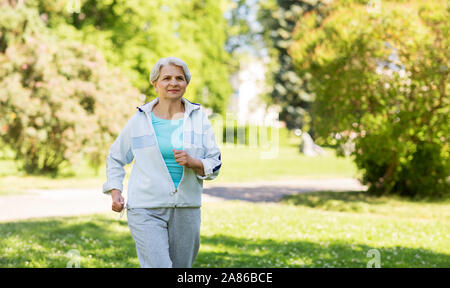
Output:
(117, 200)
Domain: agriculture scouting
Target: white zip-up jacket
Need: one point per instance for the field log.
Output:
(150, 184)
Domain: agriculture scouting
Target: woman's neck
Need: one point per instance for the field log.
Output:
(170, 109)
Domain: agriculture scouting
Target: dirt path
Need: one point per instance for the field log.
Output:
(68, 202)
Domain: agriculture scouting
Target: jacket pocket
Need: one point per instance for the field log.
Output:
(199, 151)
(143, 141)
(196, 144)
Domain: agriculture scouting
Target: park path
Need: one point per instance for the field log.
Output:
(70, 202)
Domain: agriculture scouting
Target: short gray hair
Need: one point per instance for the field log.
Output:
(154, 74)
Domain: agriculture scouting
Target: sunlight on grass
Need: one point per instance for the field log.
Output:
(241, 234)
(361, 202)
(317, 238)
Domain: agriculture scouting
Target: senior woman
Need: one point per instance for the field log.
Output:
(173, 145)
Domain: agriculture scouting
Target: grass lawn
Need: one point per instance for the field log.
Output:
(247, 164)
(240, 164)
(319, 231)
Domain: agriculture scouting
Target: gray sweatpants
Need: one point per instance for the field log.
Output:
(165, 237)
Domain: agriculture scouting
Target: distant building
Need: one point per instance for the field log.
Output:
(249, 84)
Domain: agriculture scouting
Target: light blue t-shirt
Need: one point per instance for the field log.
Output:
(170, 136)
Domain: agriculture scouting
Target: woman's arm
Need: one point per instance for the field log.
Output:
(119, 155)
(198, 167)
(212, 158)
(208, 167)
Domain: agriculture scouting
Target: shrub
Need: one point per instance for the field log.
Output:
(384, 77)
(59, 100)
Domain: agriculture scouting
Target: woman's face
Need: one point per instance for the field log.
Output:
(171, 82)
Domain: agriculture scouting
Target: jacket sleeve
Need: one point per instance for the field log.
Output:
(119, 155)
(212, 157)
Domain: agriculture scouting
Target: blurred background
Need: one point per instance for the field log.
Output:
(349, 99)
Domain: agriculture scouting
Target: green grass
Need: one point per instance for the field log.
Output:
(240, 164)
(321, 229)
(361, 202)
(246, 164)
(14, 182)
(241, 234)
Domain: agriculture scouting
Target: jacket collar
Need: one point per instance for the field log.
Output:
(189, 106)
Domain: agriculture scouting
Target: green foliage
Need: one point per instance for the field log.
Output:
(59, 101)
(383, 75)
(134, 34)
(63, 99)
(291, 92)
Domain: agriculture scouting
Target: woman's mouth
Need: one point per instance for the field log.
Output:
(174, 91)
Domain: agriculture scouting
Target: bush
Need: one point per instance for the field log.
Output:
(59, 101)
(383, 78)
(427, 171)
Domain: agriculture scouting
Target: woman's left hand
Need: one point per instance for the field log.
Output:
(183, 159)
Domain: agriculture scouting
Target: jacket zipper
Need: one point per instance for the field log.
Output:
(175, 190)
(160, 155)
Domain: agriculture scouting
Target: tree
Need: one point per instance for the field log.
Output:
(58, 99)
(134, 34)
(383, 74)
(290, 91)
